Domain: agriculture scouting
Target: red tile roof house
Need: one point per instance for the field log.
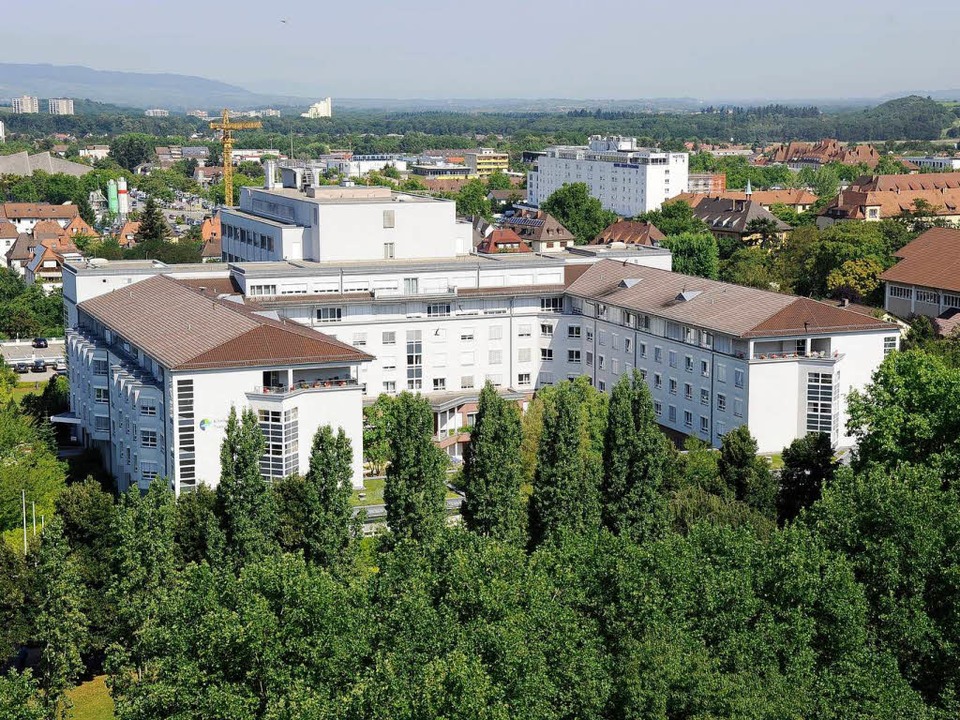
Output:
(926, 278)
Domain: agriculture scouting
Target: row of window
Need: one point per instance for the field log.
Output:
(467, 382)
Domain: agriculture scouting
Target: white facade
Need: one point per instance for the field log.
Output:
(60, 106)
(26, 104)
(321, 109)
(935, 162)
(156, 112)
(340, 224)
(625, 178)
(360, 165)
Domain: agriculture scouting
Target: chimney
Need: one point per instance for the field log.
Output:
(269, 174)
(845, 302)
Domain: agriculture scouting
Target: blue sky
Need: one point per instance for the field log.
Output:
(508, 48)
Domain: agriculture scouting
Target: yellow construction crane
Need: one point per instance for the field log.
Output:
(227, 126)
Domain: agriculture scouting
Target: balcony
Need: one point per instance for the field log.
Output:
(304, 386)
(821, 355)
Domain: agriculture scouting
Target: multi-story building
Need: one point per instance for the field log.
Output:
(60, 106)
(486, 161)
(939, 163)
(321, 109)
(25, 216)
(707, 183)
(359, 165)
(156, 367)
(882, 197)
(26, 104)
(627, 179)
(926, 278)
(157, 112)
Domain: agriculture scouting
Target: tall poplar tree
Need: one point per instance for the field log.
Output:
(153, 228)
(565, 496)
(638, 462)
(245, 504)
(493, 470)
(329, 523)
(415, 485)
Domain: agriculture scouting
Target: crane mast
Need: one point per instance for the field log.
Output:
(227, 126)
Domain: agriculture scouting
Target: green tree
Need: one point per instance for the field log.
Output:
(566, 496)
(59, 623)
(578, 211)
(826, 182)
(745, 473)
(472, 200)
(808, 466)
(498, 181)
(153, 228)
(492, 469)
(132, 149)
(15, 579)
(637, 463)
(197, 535)
(857, 280)
(18, 697)
(674, 218)
(766, 228)
(377, 430)
(414, 490)
(694, 254)
(245, 505)
(329, 523)
(748, 266)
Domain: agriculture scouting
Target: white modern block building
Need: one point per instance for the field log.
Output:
(60, 106)
(26, 104)
(627, 179)
(156, 367)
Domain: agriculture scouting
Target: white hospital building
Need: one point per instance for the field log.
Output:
(627, 179)
(361, 295)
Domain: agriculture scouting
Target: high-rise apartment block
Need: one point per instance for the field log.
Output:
(26, 104)
(60, 106)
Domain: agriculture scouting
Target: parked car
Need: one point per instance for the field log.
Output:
(39, 366)
(21, 367)
(60, 367)
(40, 342)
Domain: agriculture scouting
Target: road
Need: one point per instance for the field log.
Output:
(23, 351)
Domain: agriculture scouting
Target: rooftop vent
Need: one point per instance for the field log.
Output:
(628, 282)
(687, 295)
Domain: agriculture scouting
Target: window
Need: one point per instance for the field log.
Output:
(150, 410)
(738, 377)
(468, 358)
(495, 357)
(496, 332)
(100, 367)
(601, 385)
(389, 362)
(546, 354)
(642, 349)
(524, 331)
(928, 296)
(901, 292)
(658, 408)
(101, 395)
(704, 424)
(523, 355)
(721, 373)
(546, 378)
(523, 379)
(820, 398)
(496, 380)
(705, 368)
(551, 304)
(601, 362)
(389, 251)
(688, 363)
(615, 341)
(466, 334)
(721, 428)
(389, 338)
(601, 337)
(615, 366)
(672, 413)
(149, 472)
(281, 434)
(389, 218)
(688, 391)
(148, 438)
(589, 359)
(658, 354)
(438, 310)
(589, 335)
(706, 339)
(439, 383)
(889, 345)
(101, 422)
(573, 356)
(687, 418)
(572, 332)
(329, 314)
(704, 396)
(627, 345)
(414, 360)
(466, 382)
(261, 290)
(359, 339)
(390, 386)
(673, 386)
(672, 357)
(721, 402)
(657, 380)
(737, 407)
(411, 286)
(546, 330)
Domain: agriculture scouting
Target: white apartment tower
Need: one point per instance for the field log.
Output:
(320, 109)
(60, 106)
(26, 104)
(627, 179)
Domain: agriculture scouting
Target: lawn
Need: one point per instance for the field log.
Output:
(91, 701)
(28, 388)
(373, 492)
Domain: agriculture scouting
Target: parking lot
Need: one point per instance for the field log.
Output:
(23, 351)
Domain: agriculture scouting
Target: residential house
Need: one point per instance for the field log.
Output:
(503, 241)
(882, 197)
(798, 155)
(45, 268)
(926, 277)
(728, 218)
(540, 230)
(127, 237)
(630, 232)
(26, 215)
(8, 235)
(78, 227)
(796, 199)
(20, 253)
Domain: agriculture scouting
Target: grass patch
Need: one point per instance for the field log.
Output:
(373, 493)
(24, 389)
(776, 461)
(91, 701)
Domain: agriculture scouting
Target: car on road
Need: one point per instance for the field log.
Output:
(21, 367)
(38, 366)
(40, 342)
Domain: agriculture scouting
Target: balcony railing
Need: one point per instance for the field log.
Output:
(821, 355)
(305, 386)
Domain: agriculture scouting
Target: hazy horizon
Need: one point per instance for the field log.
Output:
(427, 49)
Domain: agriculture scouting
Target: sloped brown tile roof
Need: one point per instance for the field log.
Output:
(210, 229)
(713, 305)
(48, 228)
(733, 216)
(20, 250)
(852, 204)
(79, 226)
(212, 248)
(40, 211)
(8, 230)
(893, 183)
(538, 226)
(630, 232)
(183, 330)
(789, 197)
(503, 241)
(444, 184)
(932, 260)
